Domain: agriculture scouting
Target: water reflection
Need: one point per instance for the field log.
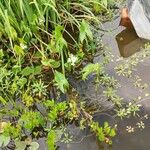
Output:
(129, 43)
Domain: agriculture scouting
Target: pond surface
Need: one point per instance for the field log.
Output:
(123, 43)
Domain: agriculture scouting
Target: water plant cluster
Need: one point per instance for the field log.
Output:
(42, 42)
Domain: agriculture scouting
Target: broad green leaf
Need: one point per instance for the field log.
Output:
(54, 64)
(46, 62)
(4, 140)
(51, 63)
(61, 82)
(59, 40)
(16, 69)
(85, 31)
(37, 70)
(34, 146)
(20, 145)
(92, 68)
(27, 71)
(21, 82)
(31, 70)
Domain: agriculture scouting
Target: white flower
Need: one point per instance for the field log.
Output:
(147, 94)
(129, 129)
(72, 59)
(23, 46)
(141, 124)
(146, 116)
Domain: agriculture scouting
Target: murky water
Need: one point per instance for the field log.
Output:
(124, 43)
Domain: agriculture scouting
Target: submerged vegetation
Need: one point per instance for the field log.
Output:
(42, 42)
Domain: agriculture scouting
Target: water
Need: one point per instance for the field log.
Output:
(124, 43)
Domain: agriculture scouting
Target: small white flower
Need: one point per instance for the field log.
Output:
(147, 94)
(72, 59)
(41, 20)
(146, 116)
(23, 46)
(141, 124)
(129, 129)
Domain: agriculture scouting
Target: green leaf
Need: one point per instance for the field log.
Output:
(54, 64)
(4, 140)
(31, 70)
(61, 81)
(37, 70)
(1, 54)
(101, 135)
(20, 145)
(112, 133)
(104, 2)
(51, 140)
(92, 68)
(60, 41)
(16, 69)
(51, 63)
(34, 146)
(49, 103)
(106, 125)
(18, 50)
(30, 120)
(85, 31)
(27, 71)
(21, 82)
(2, 100)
